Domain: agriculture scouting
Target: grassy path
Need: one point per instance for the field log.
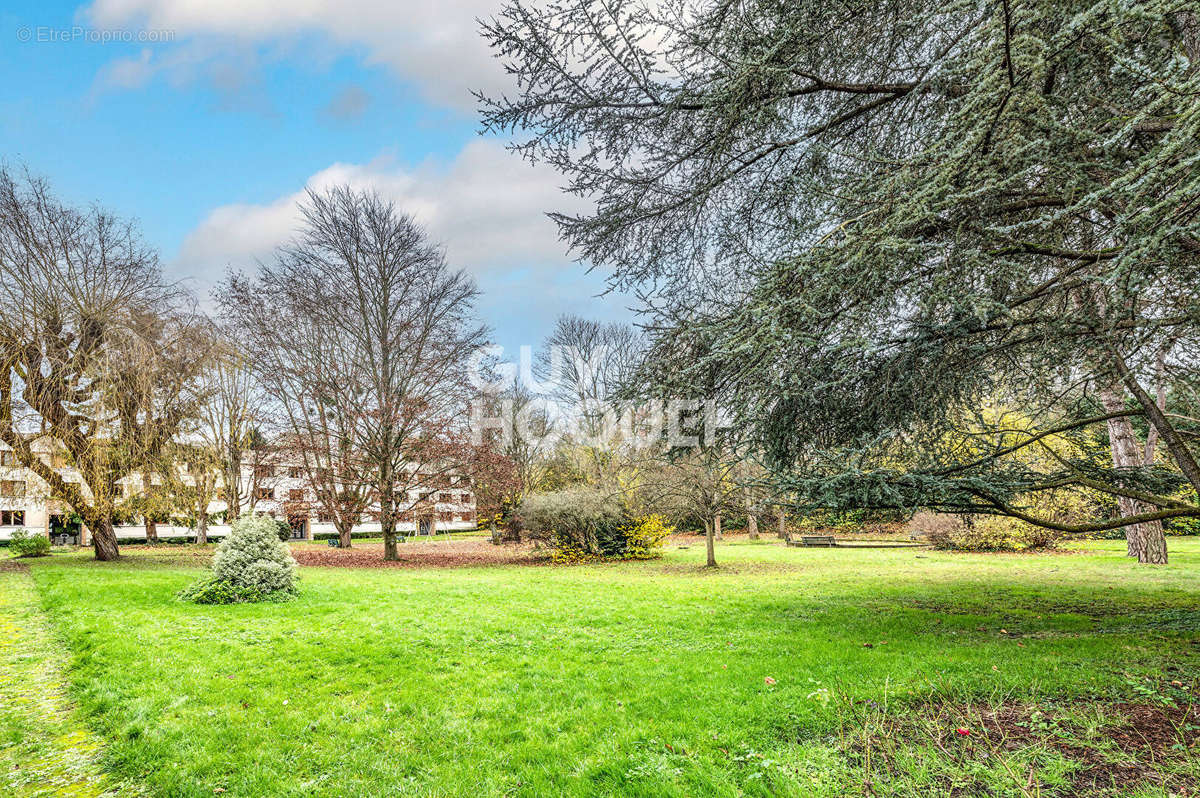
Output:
(44, 750)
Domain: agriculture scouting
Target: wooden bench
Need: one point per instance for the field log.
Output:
(817, 540)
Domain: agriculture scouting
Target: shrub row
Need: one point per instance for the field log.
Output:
(588, 524)
(28, 544)
(992, 533)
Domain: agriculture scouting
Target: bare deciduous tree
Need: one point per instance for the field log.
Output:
(232, 409)
(93, 348)
(395, 328)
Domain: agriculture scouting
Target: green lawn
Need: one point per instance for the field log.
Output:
(645, 678)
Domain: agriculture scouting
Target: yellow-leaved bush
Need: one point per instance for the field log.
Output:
(645, 535)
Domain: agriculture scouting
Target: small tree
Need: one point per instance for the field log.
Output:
(496, 483)
(694, 484)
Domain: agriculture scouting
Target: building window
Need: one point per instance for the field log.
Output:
(8, 458)
(296, 495)
(466, 498)
(295, 472)
(12, 518)
(12, 488)
(445, 497)
(468, 516)
(266, 493)
(263, 472)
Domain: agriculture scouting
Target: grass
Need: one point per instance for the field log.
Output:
(784, 672)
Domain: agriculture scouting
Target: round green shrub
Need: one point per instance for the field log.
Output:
(254, 557)
(26, 544)
(251, 564)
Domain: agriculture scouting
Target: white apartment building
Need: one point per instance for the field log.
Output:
(280, 491)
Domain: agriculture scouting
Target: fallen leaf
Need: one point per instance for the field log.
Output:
(768, 680)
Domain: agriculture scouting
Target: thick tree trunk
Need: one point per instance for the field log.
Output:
(1187, 25)
(1154, 548)
(104, 539)
(151, 530)
(1145, 542)
(1172, 441)
(343, 531)
(782, 525)
(709, 540)
(202, 527)
(717, 527)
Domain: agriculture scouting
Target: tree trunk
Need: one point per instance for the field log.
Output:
(387, 524)
(343, 532)
(1187, 25)
(1154, 548)
(709, 538)
(782, 524)
(751, 518)
(387, 520)
(202, 527)
(104, 540)
(1145, 542)
(717, 526)
(495, 533)
(151, 530)
(233, 486)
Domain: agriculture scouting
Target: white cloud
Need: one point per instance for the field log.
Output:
(435, 44)
(487, 207)
(128, 73)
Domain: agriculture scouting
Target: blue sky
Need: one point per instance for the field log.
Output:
(207, 119)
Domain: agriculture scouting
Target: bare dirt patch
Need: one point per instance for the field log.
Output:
(450, 554)
(1135, 750)
(1135, 745)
